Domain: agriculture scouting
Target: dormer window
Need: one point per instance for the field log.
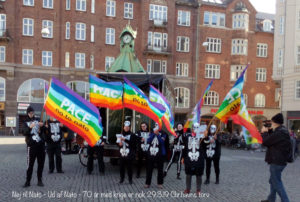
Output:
(267, 25)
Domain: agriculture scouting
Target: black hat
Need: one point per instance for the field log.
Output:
(278, 118)
(29, 109)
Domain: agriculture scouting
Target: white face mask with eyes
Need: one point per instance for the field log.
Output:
(156, 127)
(213, 129)
(196, 127)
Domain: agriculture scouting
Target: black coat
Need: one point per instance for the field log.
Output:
(193, 166)
(278, 146)
(31, 133)
(130, 144)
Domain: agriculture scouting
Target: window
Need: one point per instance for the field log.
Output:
(2, 54)
(236, 71)
(80, 31)
(28, 24)
(239, 47)
(2, 24)
(212, 71)
(183, 44)
(280, 58)
(2, 89)
(80, 87)
(240, 21)
(32, 90)
(47, 3)
(47, 58)
(260, 100)
(128, 10)
(28, 2)
(267, 26)
(80, 60)
(92, 33)
(182, 97)
(157, 40)
(68, 32)
(108, 62)
(110, 8)
(297, 89)
(156, 66)
(298, 19)
(48, 24)
(92, 62)
(67, 59)
(262, 50)
(182, 69)
(81, 5)
(298, 55)
(68, 4)
(158, 12)
(214, 19)
(213, 45)
(261, 74)
(92, 6)
(110, 36)
(281, 25)
(184, 18)
(27, 57)
(211, 98)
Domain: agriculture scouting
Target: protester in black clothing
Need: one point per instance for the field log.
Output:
(33, 132)
(279, 149)
(53, 136)
(142, 146)
(156, 155)
(127, 144)
(193, 158)
(213, 152)
(98, 149)
(68, 140)
(177, 150)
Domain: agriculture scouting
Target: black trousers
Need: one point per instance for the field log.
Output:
(141, 156)
(99, 152)
(216, 166)
(176, 156)
(54, 150)
(126, 163)
(159, 161)
(35, 152)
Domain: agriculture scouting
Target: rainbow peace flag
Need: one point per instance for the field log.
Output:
(243, 118)
(168, 119)
(135, 99)
(73, 111)
(195, 116)
(232, 101)
(106, 94)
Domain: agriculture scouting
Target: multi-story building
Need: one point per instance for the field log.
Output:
(286, 65)
(70, 39)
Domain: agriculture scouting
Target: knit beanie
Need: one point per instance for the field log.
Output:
(278, 118)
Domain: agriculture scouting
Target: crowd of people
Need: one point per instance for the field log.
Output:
(194, 149)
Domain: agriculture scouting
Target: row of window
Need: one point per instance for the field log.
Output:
(281, 57)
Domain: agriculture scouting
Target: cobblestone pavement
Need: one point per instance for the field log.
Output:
(244, 177)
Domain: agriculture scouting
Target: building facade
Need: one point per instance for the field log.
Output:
(189, 41)
(286, 68)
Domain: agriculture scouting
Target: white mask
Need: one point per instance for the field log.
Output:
(213, 129)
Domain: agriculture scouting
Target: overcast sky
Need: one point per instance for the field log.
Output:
(266, 6)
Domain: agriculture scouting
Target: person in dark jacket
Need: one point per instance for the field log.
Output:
(33, 132)
(68, 140)
(127, 144)
(142, 146)
(177, 150)
(156, 155)
(53, 135)
(213, 152)
(193, 158)
(278, 147)
(98, 149)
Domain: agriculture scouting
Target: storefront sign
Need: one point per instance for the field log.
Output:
(10, 122)
(253, 112)
(23, 106)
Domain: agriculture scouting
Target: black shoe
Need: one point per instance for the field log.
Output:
(165, 173)
(178, 177)
(138, 176)
(60, 171)
(121, 181)
(217, 181)
(50, 171)
(89, 172)
(40, 183)
(264, 200)
(102, 173)
(206, 181)
(27, 184)
(130, 181)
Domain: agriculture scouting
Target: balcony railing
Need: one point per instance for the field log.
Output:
(159, 23)
(160, 50)
(4, 35)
